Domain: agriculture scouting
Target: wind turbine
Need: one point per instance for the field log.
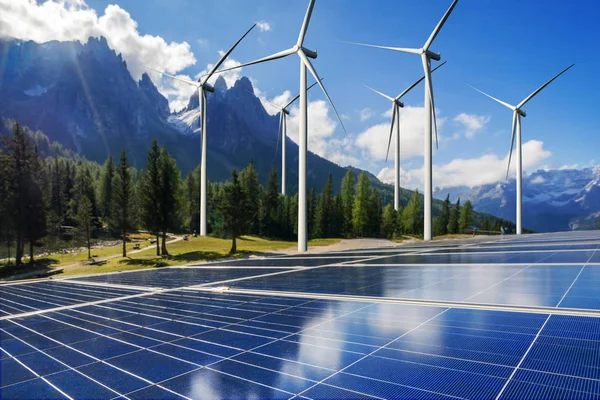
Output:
(204, 87)
(282, 132)
(396, 105)
(518, 112)
(305, 64)
(429, 104)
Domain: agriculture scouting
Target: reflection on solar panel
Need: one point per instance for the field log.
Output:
(342, 325)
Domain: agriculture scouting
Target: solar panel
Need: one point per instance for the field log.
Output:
(336, 326)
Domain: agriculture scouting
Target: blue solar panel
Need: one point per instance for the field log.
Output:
(141, 343)
(177, 277)
(18, 299)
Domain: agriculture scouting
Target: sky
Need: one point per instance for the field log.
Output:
(506, 48)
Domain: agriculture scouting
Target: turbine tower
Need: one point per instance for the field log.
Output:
(304, 54)
(396, 105)
(518, 112)
(282, 133)
(429, 104)
(204, 87)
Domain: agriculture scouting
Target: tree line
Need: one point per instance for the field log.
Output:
(44, 196)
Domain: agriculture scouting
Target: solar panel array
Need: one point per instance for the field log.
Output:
(498, 318)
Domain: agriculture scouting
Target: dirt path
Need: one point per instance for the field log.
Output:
(100, 259)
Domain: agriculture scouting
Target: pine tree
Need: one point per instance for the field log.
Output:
(412, 215)
(323, 215)
(233, 204)
(108, 174)
(347, 193)
(311, 208)
(388, 221)
(337, 216)
(444, 217)
(360, 209)
(170, 196)
(466, 216)
(193, 202)
(57, 198)
(270, 205)
(453, 220)
(150, 193)
(485, 225)
(400, 221)
(375, 213)
(249, 181)
(24, 196)
(84, 219)
(122, 218)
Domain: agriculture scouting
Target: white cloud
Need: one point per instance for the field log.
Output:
(374, 140)
(470, 172)
(365, 114)
(230, 76)
(472, 123)
(264, 26)
(66, 20)
(321, 128)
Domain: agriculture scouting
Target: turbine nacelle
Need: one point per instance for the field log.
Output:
(309, 53)
(208, 88)
(432, 55)
(522, 113)
(399, 103)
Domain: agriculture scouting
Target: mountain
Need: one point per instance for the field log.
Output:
(83, 96)
(553, 200)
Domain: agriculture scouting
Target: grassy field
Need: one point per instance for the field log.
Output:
(182, 252)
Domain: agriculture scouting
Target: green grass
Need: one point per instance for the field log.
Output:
(183, 252)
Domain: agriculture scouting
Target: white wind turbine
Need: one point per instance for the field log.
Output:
(282, 132)
(204, 87)
(396, 105)
(305, 63)
(429, 104)
(516, 130)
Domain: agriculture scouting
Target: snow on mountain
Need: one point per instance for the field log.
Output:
(552, 199)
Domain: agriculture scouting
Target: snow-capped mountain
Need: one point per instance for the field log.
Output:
(552, 199)
(84, 97)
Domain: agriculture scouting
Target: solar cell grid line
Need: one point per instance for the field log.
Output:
(138, 295)
(16, 358)
(34, 294)
(522, 359)
(574, 280)
(262, 345)
(500, 282)
(40, 377)
(106, 362)
(362, 358)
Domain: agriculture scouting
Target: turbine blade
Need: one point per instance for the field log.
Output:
(310, 67)
(400, 49)
(275, 56)
(512, 141)
(493, 98)
(411, 87)
(305, 23)
(298, 96)
(269, 102)
(189, 82)
(394, 112)
(218, 64)
(439, 25)
(379, 93)
(521, 104)
(281, 117)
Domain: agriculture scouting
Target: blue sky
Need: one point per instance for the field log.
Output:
(507, 48)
